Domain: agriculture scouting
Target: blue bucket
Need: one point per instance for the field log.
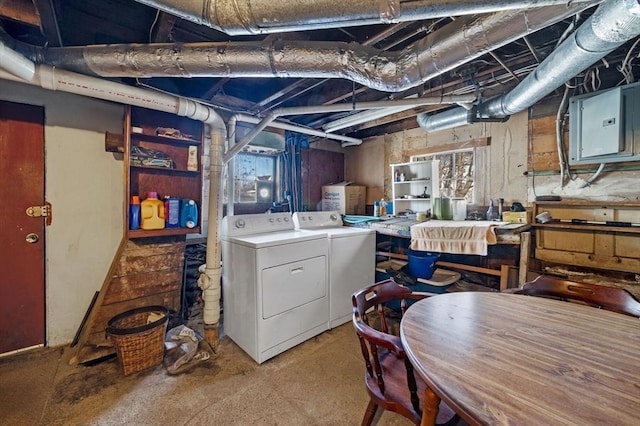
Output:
(422, 263)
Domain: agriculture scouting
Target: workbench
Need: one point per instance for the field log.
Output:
(510, 251)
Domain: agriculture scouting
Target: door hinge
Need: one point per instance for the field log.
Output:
(45, 211)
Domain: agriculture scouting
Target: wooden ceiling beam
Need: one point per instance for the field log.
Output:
(161, 32)
(21, 11)
(48, 22)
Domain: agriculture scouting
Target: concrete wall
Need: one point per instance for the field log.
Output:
(85, 186)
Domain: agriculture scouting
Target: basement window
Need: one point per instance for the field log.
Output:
(254, 178)
(457, 172)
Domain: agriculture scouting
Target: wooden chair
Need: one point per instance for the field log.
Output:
(604, 297)
(389, 375)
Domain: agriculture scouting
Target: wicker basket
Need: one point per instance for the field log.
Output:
(138, 343)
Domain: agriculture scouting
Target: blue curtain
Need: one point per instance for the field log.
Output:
(291, 172)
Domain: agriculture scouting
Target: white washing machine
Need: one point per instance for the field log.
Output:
(274, 283)
(352, 259)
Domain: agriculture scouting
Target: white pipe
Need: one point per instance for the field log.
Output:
(16, 64)
(363, 117)
(347, 140)
(65, 81)
(236, 148)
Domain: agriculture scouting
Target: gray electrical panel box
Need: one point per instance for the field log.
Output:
(604, 126)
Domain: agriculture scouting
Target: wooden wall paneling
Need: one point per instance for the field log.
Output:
(143, 272)
(597, 246)
(543, 153)
(319, 167)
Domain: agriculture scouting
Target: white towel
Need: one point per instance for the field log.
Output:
(457, 237)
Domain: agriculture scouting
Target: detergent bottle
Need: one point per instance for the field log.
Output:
(172, 212)
(189, 214)
(152, 212)
(134, 212)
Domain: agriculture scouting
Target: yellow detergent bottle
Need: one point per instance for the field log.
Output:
(152, 212)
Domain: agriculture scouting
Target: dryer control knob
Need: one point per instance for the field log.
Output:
(286, 218)
(333, 217)
(271, 219)
(240, 223)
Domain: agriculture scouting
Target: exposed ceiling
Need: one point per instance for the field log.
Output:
(489, 72)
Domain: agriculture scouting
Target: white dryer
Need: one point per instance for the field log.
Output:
(352, 263)
(274, 283)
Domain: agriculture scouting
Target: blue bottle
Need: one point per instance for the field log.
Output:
(189, 214)
(134, 212)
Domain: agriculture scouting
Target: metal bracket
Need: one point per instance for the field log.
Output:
(473, 116)
(45, 211)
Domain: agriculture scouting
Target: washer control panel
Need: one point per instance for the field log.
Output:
(309, 220)
(246, 224)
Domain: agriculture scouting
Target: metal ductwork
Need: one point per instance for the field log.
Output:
(241, 17)
(611, 25)
(453, 45)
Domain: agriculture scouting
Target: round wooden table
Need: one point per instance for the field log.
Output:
(500, 359)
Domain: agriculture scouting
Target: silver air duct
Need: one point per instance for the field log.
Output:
(453, 45)
(241, 17)
(612, 24)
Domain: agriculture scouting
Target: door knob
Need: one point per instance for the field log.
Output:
(32, 238)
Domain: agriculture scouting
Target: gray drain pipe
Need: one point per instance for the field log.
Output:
(241, 17)
(22, 70)
(611, 25)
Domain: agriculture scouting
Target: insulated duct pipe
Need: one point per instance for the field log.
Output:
(241, 17)
(55, 79)
(455, 44)
(611, 25)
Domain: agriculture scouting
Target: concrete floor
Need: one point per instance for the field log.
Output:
(319, 382)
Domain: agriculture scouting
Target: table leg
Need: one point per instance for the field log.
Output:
(430, 410)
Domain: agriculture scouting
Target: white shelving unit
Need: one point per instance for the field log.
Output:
(411, 181)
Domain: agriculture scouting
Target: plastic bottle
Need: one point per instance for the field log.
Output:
(383, 207)
(189, 214)
(152, 212)
(134, 212)
(500, 208)
(376, 208)
(490, 210)
(172, 212)
(192, 159)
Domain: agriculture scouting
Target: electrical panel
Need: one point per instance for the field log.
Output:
(604, 126)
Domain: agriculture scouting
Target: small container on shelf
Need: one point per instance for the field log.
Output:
(152, 212)
(172, 212)
(189, 214)
(134, 212)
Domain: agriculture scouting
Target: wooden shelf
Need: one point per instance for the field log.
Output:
(588, 227)
(591, 245)
(165, 170)
(164, 139)
(166, 232)
(175, 182)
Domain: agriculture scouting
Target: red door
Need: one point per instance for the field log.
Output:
(22, 313)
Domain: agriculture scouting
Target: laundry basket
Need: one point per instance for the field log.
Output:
(138, 337)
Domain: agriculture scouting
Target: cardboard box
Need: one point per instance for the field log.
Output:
(344, 197)
(517, 217)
